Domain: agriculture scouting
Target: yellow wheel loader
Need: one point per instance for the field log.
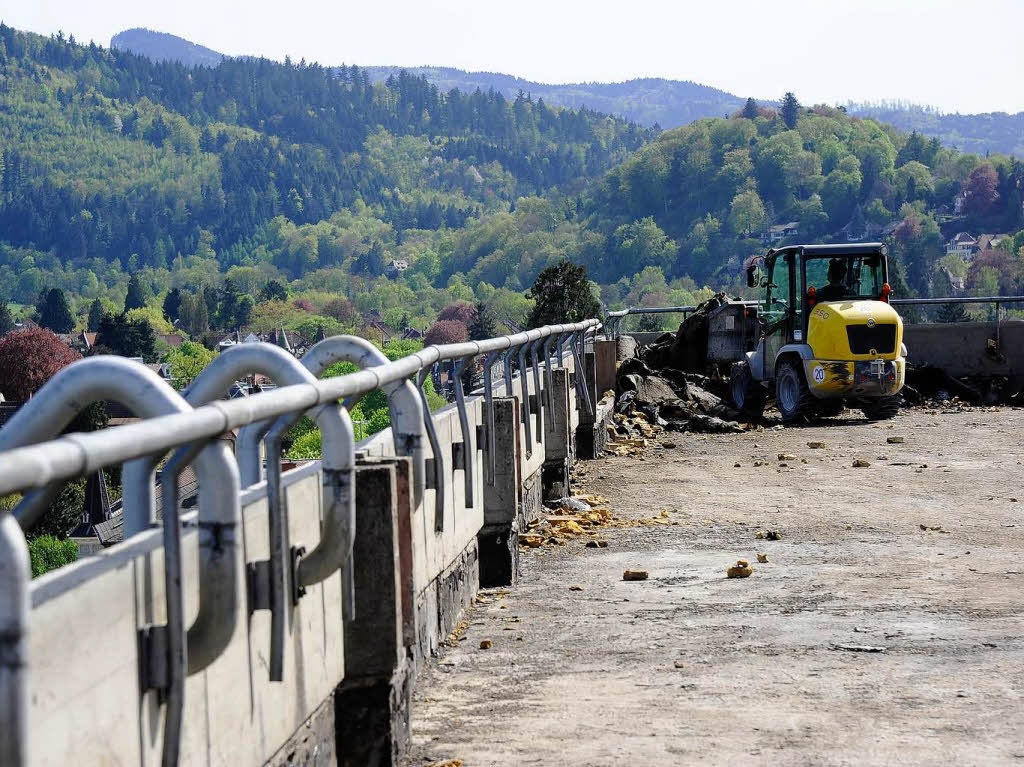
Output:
(827, 336)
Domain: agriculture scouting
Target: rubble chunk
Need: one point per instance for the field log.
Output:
(634, 575)
(741, 569)
(860, 463)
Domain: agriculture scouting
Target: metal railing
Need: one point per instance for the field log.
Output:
(191, 427)
(613, 321)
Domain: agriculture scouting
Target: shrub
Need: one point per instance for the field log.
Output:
(48, 553)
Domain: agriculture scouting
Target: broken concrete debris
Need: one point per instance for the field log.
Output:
(860, 463)
(741, 569)
(669, 400)
(762, 558)
(634, 575)
(894, 440)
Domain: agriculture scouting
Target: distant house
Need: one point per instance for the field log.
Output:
(990, 241)
(395, 268)
(780, 232)
(377, 329)
(963, 245)
(413, 334)
(174, 340)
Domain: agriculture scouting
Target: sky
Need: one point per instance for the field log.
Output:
(952, 54)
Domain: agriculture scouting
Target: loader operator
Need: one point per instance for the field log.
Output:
(835, 288)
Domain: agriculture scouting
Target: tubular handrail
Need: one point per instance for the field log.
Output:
(64, 458)
(39, 468)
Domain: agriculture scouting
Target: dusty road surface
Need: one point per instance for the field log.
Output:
(864, 640)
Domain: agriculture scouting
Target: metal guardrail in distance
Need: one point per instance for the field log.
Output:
(190, 428)
(613, 321)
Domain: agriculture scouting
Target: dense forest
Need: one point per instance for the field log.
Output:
(266, 195)
(651, 101)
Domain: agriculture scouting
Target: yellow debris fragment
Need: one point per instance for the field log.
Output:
(634, 575)
(741, 569)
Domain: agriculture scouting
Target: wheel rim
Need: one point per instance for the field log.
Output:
(788, 394)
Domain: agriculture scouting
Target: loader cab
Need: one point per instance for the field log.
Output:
(792, 278)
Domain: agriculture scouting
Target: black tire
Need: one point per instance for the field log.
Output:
(830, 408)
(747, 395)
(792, 397)
(880, 408)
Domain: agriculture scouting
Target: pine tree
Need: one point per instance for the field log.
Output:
(790, 110)
(54, 312)
(136, 297)
(95, 315)
(172, 305)
(483, 326)
(749, 109)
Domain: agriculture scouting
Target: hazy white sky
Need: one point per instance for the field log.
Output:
(960, 55)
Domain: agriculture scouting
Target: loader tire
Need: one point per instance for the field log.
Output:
(792, 397)
(880, 408)
(747, 395)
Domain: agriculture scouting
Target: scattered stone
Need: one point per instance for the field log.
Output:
(531, 539)
(668, 445)
(773, 535)
(787, 457)
(634, 575)
(486, 644)
(575, 587)
(762, 558)
(597, 544)
(934, 529)
(741, 569)
(858, 648)
(759, 535)
(894, 440)
(736, 465)
(860, 463)
(816, 445)
(679, 664)
(447, 763)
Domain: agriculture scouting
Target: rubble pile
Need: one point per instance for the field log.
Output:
(670, 400)
(581, 517)
(930, 385)
(687, 349)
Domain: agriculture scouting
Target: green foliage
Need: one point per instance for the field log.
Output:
(53, 311)
(136, 297)
(6, 321)
(562, 294)
(47, 553)
(790, 110)
(187, 362)
(64, 513)
(127, 337)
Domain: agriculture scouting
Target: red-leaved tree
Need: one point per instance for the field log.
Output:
(982, 188)
(461, 311)
(341, 309)
(446, 332)
(30, 358)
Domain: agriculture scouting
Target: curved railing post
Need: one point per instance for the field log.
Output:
(14, 613)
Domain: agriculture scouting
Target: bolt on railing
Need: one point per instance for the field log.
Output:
(41, 467)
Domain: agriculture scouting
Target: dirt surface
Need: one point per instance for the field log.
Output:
(865, 639)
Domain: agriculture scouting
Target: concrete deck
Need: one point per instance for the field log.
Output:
(865, 639)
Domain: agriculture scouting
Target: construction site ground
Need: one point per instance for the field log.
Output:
(886, 627)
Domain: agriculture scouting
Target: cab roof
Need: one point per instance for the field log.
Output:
(846, 249)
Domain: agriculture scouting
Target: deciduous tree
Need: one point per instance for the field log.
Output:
(30, 358)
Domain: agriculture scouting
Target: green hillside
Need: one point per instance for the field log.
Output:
(264, 192)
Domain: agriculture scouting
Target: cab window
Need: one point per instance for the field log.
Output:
(845, 277)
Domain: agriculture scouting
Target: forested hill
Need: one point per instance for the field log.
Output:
(160, 46)
(980, 133)
(107, 153)
(647, 101)
(699, 199)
